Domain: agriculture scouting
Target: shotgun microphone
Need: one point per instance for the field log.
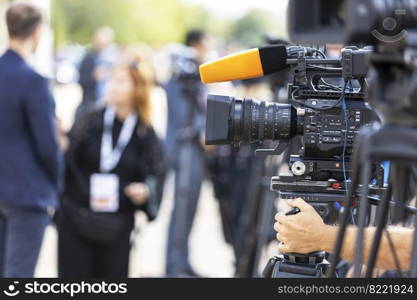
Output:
(248, 64)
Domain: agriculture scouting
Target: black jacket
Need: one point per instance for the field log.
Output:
(140, 161)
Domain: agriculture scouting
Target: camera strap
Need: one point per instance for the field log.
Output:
(109, 157)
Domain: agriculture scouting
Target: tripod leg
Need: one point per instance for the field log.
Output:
(380, 225)
(400, 194)
(413, 265)
(246, 236)
(347, 204)
(363, 212)
(266, 214)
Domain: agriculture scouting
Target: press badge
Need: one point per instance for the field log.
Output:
(104, 193)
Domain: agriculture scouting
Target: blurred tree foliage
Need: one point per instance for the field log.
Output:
(250, 30)
(152, 21)
(155, 22)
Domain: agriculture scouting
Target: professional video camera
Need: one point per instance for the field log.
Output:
(327, 116)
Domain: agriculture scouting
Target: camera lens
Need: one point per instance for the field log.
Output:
(234, 120)
(255, 121)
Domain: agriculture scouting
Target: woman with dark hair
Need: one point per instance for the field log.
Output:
(113, 161)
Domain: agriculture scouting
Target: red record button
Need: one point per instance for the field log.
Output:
(336, 185)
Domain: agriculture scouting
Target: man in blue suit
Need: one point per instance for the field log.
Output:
(30, 158)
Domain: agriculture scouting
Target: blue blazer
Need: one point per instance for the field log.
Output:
(30, 159)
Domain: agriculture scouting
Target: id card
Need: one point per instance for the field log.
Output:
(104, 193)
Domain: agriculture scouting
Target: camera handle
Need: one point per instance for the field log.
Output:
(296, 265)
(293, 211)
(279, 149)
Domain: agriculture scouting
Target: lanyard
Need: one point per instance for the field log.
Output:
(109, 157)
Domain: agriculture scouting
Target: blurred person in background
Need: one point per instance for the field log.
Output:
(184, 145)
(95, 69)
(30, 155)
(113, 161)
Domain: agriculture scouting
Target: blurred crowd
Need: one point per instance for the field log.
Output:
(91, 180)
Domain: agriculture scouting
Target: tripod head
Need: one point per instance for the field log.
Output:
(312, 264)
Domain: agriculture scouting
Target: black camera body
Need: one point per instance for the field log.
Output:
(329, 126)
(323, 131)
(317, 171)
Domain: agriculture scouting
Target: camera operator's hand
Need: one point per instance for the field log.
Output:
(303, 232)
(306, 232)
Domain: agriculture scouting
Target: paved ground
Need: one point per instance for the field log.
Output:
(210, 255)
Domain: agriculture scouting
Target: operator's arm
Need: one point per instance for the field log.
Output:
(305, 232)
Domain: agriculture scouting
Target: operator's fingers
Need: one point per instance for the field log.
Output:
(280, 238)
(283, 248)
(300, 203)
(278, 227)
(280, 217)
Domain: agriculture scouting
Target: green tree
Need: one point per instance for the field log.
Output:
(250, 30)
(152, 21)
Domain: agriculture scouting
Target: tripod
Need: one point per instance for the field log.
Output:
(374, 144)
(297, 265)
(256, 222)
